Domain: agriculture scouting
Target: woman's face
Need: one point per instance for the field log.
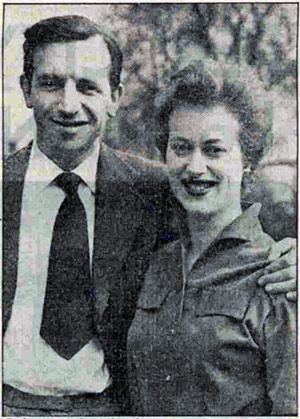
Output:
(204, 159)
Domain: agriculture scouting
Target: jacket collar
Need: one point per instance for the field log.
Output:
(15, 165)
(246, 227)
(165, 273)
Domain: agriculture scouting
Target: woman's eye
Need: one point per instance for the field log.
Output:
(214, 151)
(181, 147)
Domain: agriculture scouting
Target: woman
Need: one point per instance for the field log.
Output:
(205, 340)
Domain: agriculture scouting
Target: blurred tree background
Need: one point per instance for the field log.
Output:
(256, 43)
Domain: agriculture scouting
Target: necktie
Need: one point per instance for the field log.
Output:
(67, 320)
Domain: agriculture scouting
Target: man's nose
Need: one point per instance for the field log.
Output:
(198, 163)
(70, 102)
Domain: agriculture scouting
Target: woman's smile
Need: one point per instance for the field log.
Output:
(198, 187)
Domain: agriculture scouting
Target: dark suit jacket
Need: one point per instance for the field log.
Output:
(127, 218)
(133, 219)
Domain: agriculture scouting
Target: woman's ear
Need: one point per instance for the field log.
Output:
(26, 89)
(115, 100)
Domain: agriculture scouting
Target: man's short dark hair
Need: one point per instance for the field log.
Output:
(192, 87)
(69, 28)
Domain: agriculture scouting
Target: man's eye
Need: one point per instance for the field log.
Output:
(86, 88)
(51, 84)
(181, 148)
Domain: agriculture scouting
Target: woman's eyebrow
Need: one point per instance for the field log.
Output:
(179, 137)
(212, 140)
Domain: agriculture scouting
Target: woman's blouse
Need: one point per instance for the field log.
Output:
(218, 345)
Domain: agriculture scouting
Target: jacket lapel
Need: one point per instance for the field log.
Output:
(119, 213)
(117, 219)
(14, 173)
(163, 276)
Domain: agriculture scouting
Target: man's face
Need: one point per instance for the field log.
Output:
(70, 96)
(204, 159)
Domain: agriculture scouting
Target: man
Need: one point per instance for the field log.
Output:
(76, 216)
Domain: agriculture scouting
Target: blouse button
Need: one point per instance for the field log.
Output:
(168, 378)
(172, 331)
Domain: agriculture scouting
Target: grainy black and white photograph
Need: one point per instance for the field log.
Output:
(149, 209)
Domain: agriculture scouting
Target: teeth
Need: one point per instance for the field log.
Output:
(197, 190)
(200, 188)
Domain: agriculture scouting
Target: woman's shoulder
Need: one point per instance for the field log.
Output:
(247, 228)
(162, 276)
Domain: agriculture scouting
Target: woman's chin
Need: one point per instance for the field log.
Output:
(198, 204)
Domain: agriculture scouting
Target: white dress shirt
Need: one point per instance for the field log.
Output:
(30, 364)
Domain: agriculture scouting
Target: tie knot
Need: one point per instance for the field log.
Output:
(68, 182)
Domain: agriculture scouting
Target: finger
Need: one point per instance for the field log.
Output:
(259, 252)
(278, 249)
(291, 296)
(288, 259)
(278, 287)
(279, 276)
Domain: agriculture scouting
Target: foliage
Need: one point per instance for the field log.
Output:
(258, 40)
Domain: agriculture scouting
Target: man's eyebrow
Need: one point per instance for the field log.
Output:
(43, 77)
(86, 81)
(83, 82)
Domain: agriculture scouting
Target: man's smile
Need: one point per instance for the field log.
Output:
(66, 124)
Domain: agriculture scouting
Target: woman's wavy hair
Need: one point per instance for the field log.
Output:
(192, 87)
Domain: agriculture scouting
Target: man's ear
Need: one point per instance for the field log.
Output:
(117, 94)
(26, 89)
(248, 170)
(115, 100)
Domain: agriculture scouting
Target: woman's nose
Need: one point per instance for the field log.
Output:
(197, 164)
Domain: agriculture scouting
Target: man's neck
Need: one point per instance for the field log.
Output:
(70, 159)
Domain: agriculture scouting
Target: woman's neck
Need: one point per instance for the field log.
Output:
(204, 228)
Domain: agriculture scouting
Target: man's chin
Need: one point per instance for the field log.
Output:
(69, 154)
(72, 142)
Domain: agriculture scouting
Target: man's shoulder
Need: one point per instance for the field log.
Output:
(14, 165)
(133, 170)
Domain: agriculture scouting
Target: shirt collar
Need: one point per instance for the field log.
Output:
(87, 170)
(42, 171)
(165, 273)
(244, 228)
